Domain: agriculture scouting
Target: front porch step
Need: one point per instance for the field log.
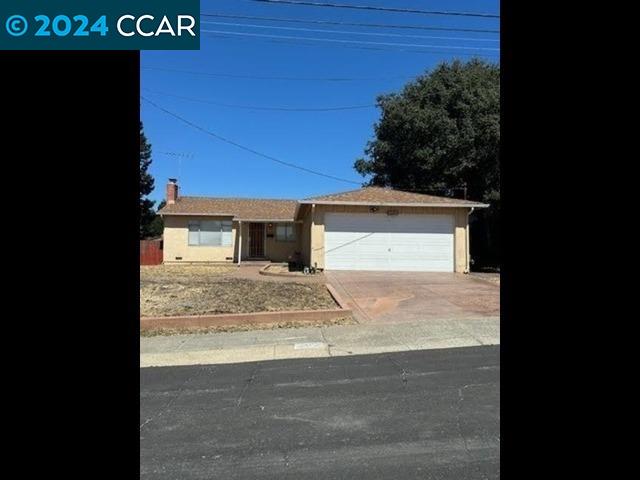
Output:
(254, 263)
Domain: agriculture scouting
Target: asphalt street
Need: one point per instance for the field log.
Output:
(429, 414)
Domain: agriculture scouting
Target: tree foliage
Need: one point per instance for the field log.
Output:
(156, 227)
(442, 132)
(150, 225)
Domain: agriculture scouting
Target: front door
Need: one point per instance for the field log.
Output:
(256, 240)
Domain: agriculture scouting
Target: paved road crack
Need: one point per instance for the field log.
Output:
(458, 409)
(172, 400)
(403, 371)
(324, 339)
(248, 382)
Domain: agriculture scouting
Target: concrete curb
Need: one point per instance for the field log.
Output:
(228, 319)
(315, 341)
(338, 299)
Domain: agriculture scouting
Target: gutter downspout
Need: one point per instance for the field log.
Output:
(239, 242)
(468, 269)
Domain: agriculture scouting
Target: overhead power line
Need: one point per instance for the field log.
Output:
(362, 47)
(255, 107)
(351, 24)
(176, 154)
(242, 147)
(266, 77)
(382, 9)
(357, 42)
(343, 32)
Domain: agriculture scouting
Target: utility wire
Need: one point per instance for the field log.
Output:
(269, 157)
(382, 9)
(175, 154)
(254, 107)
(343, 32)
(350, 24)
(263, 77)
(242, 147)
(367, 48)
(358, 42)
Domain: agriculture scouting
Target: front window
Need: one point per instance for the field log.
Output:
(286, 232)
(212, 233)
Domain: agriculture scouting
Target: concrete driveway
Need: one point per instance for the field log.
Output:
(410, 296)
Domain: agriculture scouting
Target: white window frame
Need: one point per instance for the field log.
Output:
(290, 232)
(225, 240)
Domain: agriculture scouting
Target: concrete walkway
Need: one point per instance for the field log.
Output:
(251, 271)
(333, 341)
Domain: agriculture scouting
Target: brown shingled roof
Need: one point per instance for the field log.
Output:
(388, 196)
(238, 208)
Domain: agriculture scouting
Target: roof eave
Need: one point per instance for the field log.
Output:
(233, 217)
(196, 214)
(397, 204)
(273, 220)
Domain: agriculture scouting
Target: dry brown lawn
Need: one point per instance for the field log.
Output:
(167, 290)
(183, 273)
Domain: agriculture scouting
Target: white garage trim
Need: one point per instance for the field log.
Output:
(366, 241)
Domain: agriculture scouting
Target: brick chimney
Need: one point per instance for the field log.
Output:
(172, 191)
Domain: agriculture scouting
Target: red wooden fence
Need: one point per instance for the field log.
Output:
(150, 252)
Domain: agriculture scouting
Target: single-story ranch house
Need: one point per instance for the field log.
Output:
(371, 228)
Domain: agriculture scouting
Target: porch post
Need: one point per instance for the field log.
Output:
(240, 241)
(312, 226)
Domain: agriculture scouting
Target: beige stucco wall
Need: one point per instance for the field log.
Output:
(274, 250)
(314, 220)
(281, 251)
(309, 237)
(176, 242)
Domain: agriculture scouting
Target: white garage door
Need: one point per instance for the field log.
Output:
(360, 241)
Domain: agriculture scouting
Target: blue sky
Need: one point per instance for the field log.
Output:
(325, 141)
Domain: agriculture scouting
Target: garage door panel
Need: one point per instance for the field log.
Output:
(381, 242)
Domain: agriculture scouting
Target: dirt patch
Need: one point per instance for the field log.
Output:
(347, 320)
(171, 290)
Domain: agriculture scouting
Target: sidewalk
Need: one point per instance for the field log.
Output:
(329, 341)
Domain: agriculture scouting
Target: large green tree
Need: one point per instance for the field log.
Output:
(441, 133)
(150, 225)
